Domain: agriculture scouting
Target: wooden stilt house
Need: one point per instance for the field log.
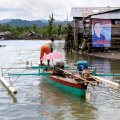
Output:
(83, 26)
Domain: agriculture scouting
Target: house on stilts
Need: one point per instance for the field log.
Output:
(84, 20)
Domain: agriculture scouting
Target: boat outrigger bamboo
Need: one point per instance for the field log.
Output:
(9, 87)
(59, 75)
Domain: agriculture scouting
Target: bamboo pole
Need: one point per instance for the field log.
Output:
(77, 76)
(10, 88)
(105, 80)
(107, 74)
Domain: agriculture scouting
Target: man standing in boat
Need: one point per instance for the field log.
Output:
(46, 48)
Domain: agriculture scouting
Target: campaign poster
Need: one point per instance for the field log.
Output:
(101, 33)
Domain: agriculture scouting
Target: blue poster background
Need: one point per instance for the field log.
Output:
(102, 37)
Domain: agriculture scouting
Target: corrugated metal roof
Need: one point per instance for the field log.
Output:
(113, 14)
(86, 11)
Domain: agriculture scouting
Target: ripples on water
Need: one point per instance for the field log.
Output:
(38, 100)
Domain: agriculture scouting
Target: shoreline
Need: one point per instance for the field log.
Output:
(113, 55)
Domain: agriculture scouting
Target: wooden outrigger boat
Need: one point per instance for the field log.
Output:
(68, 84)
(60, 76)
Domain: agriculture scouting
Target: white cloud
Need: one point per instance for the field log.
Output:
(41, 9)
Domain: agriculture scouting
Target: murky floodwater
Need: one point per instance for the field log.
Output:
(38, 100)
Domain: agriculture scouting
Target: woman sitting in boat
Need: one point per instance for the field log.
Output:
(46, 48)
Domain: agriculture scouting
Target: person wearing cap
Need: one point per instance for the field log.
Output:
(46, 48)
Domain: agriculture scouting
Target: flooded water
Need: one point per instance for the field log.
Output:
(39, 100)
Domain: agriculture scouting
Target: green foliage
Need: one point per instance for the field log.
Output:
(51, 29)
(50, 25)
(59, 29)
(5, 28)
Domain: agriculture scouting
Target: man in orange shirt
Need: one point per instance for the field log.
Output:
(46, 48)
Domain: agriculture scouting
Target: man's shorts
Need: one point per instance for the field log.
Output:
(45, 49)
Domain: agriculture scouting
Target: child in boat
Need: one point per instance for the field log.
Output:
(46, 48)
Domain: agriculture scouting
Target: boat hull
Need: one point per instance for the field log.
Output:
(68, 85)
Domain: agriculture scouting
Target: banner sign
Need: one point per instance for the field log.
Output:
(101, 33)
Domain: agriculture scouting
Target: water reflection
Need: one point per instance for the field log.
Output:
(102, 65)
(64, 105)
(72, 57)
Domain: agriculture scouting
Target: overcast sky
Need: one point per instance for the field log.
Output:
(41, 9)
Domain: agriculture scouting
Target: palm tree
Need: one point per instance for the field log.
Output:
(50, 25)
